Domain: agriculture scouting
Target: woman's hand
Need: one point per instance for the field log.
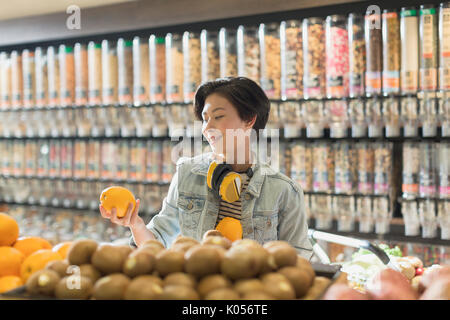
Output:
(131, 218)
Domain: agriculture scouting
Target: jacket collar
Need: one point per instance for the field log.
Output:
(255, 183)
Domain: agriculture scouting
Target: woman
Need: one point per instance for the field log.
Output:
(270, 206)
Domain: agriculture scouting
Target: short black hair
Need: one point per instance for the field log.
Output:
(243, 93)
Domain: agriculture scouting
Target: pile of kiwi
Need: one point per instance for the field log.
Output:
(211, 269)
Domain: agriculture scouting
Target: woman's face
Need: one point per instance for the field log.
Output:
(218, 116)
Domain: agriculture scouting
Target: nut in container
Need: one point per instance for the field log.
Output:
(270, 60)
(228, 52)
(290, 116)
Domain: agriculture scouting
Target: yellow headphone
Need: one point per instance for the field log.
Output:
(224, 181)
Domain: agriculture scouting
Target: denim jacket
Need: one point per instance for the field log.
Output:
(272, 206)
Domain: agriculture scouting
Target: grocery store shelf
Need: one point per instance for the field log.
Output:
(396, 233)
(92, 107)
(49, 205)
(161, 16)
(302, 137)
(362, 99)
(93, 138)
(76, 179)
(356, 195)
(421, 199)
(72, 205)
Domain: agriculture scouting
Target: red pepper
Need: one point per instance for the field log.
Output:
(419, 271)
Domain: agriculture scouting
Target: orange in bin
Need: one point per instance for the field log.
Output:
(10, 261)
(8, 283)
(37, 261)
(28, 245)
(119, 198)
(9, 230)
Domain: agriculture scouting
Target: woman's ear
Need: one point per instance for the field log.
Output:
(251, 122)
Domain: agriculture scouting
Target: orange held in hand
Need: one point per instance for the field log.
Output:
(28, 245)
(119, 198)
(9, 230)
(37, 261)
(230, 228)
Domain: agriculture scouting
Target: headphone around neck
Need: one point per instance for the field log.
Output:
(224, 181)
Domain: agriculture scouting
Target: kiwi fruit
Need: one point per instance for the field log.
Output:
(213, 233)
(81, 251)
(284, 255)
(151, 249)
(211, 283)
(89, 271)
(278, 286)
(82, 288)
(223, 294)
(138, 263)
(275, 243)
(244, 286)
(125, 249)
(42, 282)
(60, 266)
(217, 241)
(183, 247)
(257, 295)
(169, 261)
(269, 264)
(246, 242)
(179, 292)
(266, 258)
(240, 263)
(108, 258)
(203, 260)
(180, 278)
(143, 288)
(183, 239)
(299, 279)
(111, 287)
(304, 264)
(220, 251)
(152, 242)
(317, 288)
(151, 277)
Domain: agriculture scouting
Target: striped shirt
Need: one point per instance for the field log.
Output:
(234, 209)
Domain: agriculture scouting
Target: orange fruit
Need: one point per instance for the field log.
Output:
(62, 248)
(9, 283)
(10, 261)
(230, 228)
(119, 198)
(37, 261)
(9, 230)
(28, 245)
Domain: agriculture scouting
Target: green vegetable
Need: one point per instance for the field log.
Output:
(390, 251)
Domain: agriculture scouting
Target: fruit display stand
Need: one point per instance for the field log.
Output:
(321, 270)
(213, 269)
